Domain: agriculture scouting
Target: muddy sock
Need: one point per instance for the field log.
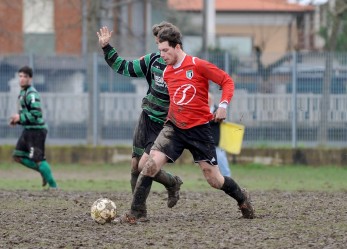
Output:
(165, 178)
(46, 172)
(29, 163)
(142, 189)
(133, 179)
(231, 188)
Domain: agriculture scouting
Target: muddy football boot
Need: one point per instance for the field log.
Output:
(174, 193)
(132, 218)
(246, 207)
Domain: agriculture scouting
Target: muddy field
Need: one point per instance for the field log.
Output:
(61, 219)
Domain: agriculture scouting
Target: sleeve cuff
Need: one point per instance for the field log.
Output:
(107, 48)
(223, 105)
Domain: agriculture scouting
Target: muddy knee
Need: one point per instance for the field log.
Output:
(150, 167)
(135, 164)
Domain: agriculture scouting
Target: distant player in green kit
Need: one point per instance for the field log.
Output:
(155, 105)
(30, 148)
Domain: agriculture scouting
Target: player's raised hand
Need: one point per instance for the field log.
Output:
(104, 36)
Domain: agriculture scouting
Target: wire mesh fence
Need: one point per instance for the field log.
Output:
(299, 99)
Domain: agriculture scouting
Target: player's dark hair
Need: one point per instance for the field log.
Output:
(172, 35)
(157, 27)
(26, 70)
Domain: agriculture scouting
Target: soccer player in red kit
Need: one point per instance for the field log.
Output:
(187, 125)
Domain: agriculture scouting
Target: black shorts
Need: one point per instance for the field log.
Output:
(31, 144)
(198, 140)
(145, 133)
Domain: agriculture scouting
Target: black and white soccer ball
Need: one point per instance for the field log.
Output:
(103, 210)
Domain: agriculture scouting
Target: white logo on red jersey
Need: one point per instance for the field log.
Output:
(184, 94)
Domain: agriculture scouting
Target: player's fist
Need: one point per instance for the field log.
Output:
(14, 119)
(220, 114)
(11, 122)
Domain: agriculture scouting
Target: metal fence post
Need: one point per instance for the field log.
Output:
(226, 62)
(95, 100)
(294, 99)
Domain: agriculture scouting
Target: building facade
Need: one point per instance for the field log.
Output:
(274, 26)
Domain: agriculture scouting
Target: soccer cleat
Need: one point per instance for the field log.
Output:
(246, 207)
(131, 219)
(174, 193)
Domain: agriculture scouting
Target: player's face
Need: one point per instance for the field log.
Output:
(169, 54)
(24, 79)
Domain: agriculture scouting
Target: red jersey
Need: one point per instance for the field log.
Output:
(188, 87)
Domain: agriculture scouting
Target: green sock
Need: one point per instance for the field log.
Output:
(29, 163)
(46, 172)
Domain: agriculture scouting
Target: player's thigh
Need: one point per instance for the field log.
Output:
(170, 142)
(200, 143)
(135, 163)
(36, 141)
(152, 134)
(140, 136)
(22, 145)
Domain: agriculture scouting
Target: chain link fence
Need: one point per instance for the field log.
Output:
(297, 100)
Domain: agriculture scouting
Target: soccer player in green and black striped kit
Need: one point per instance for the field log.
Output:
(30, 148)
(155, 107)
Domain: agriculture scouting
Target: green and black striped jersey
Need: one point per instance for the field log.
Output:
(151, 66)
(30, 111)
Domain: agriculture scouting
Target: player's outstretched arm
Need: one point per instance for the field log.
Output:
(131, 68)
(104, 36)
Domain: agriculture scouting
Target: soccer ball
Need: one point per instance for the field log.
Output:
(103, 210)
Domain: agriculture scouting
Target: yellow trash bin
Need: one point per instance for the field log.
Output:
(231, 137)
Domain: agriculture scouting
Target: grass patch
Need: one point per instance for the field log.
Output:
(116, 177)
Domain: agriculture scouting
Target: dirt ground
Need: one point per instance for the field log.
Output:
(60, 219)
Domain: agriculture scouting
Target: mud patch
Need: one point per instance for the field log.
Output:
(200, 220)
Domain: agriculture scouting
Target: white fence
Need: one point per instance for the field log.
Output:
(252, 109)
(118, 112)
(249, 109)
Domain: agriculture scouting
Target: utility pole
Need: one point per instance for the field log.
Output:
(209, 26)
(148, 27)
